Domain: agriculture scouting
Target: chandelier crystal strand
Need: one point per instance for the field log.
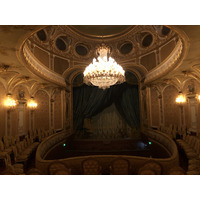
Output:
(103, 72)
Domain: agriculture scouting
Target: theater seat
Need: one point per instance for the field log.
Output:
(91, 167)
(63, 172)
(34, 171)
(177, 171)
(55, 166)
(153, 165)
(146, 172)
(120, 166)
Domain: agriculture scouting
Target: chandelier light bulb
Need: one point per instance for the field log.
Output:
(103, 71)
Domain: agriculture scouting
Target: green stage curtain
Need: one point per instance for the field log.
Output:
(88, 101)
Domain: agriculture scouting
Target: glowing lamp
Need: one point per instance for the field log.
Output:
(32, 104)
(9, 102)
(180, 99)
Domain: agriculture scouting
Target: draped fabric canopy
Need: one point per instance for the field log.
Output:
(88, 101)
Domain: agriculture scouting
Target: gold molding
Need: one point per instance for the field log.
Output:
(41, 70)
(167, 65)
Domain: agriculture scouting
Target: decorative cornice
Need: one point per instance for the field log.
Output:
(41, 70)
(167, 65)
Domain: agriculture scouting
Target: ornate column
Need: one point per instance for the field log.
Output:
(32, 105)
(8, 124)
(193, 112)
(10, 105)
(182, 116)
(31, 121)
(21, 114)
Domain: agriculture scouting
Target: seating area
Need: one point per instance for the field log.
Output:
(187, 143)
(118, 166)
(17, 153)
(151, 168)
(91, 167)
(191, 147)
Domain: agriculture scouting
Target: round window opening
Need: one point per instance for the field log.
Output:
(81, 50)
(126, 48)
(165, 30)
(42, 35)
(61, 44)
(148, 39)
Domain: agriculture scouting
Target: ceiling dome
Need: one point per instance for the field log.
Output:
(67, 50)
(101, 30)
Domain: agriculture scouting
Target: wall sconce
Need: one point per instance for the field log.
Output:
(198, 97)
(180, 100)
(9, 102)
(32, 104)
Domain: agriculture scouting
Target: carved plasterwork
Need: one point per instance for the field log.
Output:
(40, 69)
(130, 60)
(134, 35)
(167, 65)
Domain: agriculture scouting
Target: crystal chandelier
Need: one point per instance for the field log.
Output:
(103, 72)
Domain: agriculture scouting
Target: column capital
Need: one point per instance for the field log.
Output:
(191, 96)
(22, 101)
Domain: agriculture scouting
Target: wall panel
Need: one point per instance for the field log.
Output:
(171, 110)
(42, 112)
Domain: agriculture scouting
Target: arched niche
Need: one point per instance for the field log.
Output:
(21, 92)
(171, 109)
(191, 86)
(42, 114)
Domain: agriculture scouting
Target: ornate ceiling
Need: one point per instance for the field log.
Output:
(96, 31)
(54, 55)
